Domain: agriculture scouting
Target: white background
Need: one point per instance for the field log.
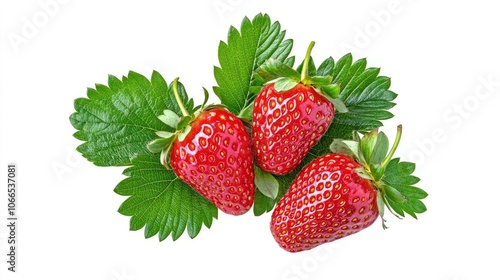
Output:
(443, 58)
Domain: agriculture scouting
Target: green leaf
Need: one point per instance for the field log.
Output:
(160, 202)
(401, 194)
(266, 183)
(262, 203)
(117, 121)
(364, 93)
(240, 57)
(326, 67)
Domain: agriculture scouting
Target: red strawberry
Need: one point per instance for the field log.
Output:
(335, 196)
(290, 114)
(287, 124)
(215, 158)
(211, 152)
(327, 201)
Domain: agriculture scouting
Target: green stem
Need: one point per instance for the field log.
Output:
(394, 147)
(185, 113)
(305, 66)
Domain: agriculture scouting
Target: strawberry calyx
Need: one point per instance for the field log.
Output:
(391, 178)
(284, 78)
(181, 125)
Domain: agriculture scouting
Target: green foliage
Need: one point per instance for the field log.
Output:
(239, 57)
(401, 194)
(161, 202)
(116, 121)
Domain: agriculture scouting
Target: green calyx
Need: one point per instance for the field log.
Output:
(284, 78)
(181, 125)
(392, 179)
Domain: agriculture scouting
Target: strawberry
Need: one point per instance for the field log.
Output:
(325, 202)
(211, 152)
(290, 115)
(215, 158)
(337, 195)
(287, 124)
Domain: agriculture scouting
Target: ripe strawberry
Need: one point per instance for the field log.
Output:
(287, 124)
(327, 201)
(211, 152)
(335, 196)
(290, 115)
(215, 158)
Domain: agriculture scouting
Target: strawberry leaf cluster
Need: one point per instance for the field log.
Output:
(134, 120)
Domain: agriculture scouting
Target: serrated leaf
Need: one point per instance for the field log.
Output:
(162, 203)
(326, 67)
(239, 58)
(117, 121)
(394, 194)
(289, 61)
(399, 182)
(365, 94)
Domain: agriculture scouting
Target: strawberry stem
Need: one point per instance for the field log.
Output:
(305, 66)
(388, 158)
(185, 113)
